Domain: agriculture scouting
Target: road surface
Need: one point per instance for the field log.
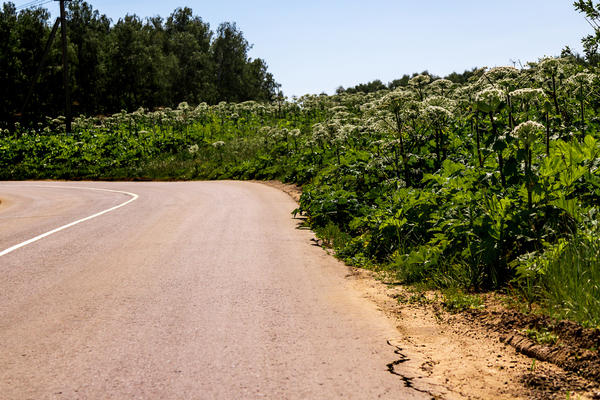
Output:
(192, 290)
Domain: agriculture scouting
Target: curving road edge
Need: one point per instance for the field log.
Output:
(133, 198)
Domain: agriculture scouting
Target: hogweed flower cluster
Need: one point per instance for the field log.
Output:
(489, 99)
(438, 116)
(528, 95)
(500, 73)
(581, 80)
(528, 131)
(419, 80)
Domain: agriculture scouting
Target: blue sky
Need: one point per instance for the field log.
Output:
(316, 46)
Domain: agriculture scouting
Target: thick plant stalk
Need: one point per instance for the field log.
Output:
(554, 97)
(547, 134)
(478, 138)
(528, 176)
(402, 151)
(582, 105)
(500, 157)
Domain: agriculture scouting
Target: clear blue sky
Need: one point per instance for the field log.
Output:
(314, 46)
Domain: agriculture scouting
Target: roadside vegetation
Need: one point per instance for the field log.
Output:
(487, 181)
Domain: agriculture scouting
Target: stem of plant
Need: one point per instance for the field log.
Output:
(500, 157)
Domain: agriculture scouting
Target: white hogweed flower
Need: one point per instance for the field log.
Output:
(489, 99)
(528, 94)
(550, 67)
(498, 73)
(420, 80)
(442, 85)
(202, 107)
(437, 115)
(265, 130)
(396, 97)
(528, 131)
(581, 79)
(183, 106)
(440, 101)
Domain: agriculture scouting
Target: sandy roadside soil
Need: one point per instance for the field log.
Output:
(469, 357)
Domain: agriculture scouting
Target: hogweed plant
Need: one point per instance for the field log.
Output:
(489, 101)
(528, 133)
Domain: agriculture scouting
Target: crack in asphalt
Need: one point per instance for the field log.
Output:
(408, 381)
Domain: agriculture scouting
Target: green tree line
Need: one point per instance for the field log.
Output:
(377, 85)
(132, 63)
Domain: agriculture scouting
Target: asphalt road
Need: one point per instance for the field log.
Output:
(196, 290)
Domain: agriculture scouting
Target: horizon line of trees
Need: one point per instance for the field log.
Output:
(132, 63)
(377, 85)
(454, 77)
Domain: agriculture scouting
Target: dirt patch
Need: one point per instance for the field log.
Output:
(294, 191)
(481, 354)
(572, 347)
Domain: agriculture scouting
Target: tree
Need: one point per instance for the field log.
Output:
(590, 42)
(229, 52)
(32, 32)
(88, 30)
(368, 87)
(126, 61)
(259, 83)
(126, 65)
(10, 64)
(189, 42)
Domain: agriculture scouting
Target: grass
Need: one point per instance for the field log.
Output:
(456, 301)
(333, 236)
(542, 336)
(572, 282)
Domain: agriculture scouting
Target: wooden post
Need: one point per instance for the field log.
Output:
(63, 29)
(40, 66)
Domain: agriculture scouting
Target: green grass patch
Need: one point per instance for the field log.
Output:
(572, 282)
(542, 336)
(456, 301)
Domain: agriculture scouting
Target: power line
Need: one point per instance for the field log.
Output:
(32, 4)
(27, 5)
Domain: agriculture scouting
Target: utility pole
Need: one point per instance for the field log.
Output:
(63, 29)
(40, 66)
(62, 20)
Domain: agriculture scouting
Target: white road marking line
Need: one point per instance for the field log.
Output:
(134, 197)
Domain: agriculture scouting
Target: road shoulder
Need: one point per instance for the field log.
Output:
(472, 359)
